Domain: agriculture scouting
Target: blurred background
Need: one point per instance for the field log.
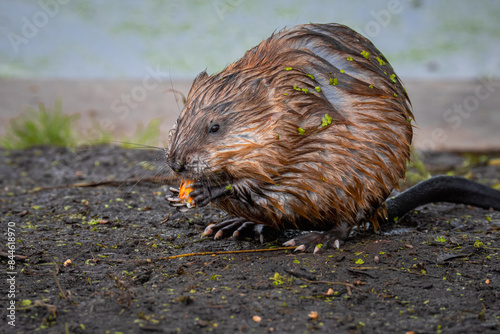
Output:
(118, 65)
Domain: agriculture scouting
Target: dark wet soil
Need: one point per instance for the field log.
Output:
(435, 271)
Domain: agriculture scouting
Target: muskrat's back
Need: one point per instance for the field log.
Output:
(311, 129)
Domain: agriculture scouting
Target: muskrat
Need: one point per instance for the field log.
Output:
(310, 130)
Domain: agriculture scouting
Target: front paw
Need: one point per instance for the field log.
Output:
(193, 195)
(200, 195)
(203, 194)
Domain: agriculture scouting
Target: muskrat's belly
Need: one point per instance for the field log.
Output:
(335, 187)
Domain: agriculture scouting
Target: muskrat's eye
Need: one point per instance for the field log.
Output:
(214, 128)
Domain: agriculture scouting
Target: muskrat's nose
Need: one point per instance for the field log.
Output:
(177, 166)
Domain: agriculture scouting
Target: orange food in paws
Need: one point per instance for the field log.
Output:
(184, 191)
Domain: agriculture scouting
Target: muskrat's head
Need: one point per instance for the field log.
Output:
(222, 127)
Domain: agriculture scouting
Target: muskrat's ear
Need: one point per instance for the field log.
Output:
(198, 82)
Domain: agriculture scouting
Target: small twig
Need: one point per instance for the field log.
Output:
(357, 272)
(51, 308)
(301, 277)
(216, 253)
(348, 285)
(411, 272)
(17, 257)
(114, 183)
(63, 294)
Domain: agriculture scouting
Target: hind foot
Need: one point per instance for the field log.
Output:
(239, 228)
(320, 240)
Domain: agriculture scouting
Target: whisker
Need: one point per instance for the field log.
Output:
(142, 145)
(216, 178)
(172, 85)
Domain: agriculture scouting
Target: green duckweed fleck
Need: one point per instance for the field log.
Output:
(393, 78)
(301, 131)
(318, 89)
(229, 187)
(288, 68)
(381, 61)
(342, 71)
(371, 86)
(305, 90)
(349, 58)
(365, 54)
(395, 95)
(285, 94)
(326, 120)
(334, 81)
(310, 76)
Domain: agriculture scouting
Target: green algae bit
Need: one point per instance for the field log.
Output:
(371, 86)
(365, 54)
(296, 88)
(334, 81)
(349, 58)
(305, 90)
(395, 95)
(318, 89)
(285, 94)
(229, 187)
(310, 76)
(326, 120)
(288, 68)
(393, 78)
(381, 61)
(409, 120)
(342, 71)
(301, 131)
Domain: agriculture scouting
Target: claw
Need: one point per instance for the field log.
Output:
(218, 235)
(177, 204)
(300, 248)
(173, 199)
(290, 242)
(316, 249)
(207, 231)
(174, 190)
(336, 244)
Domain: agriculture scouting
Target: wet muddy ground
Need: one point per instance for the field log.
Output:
(92, 259)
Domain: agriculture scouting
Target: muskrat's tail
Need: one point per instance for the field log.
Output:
(442, 188)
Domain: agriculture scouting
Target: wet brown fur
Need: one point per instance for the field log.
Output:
(341, 172)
